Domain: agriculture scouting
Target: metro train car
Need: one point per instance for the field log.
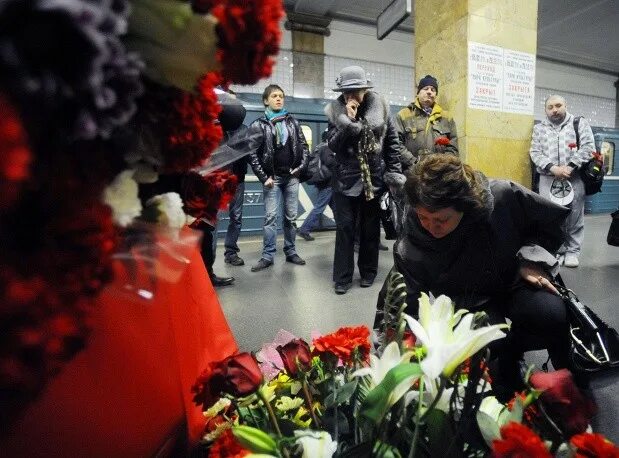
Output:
(310, 114)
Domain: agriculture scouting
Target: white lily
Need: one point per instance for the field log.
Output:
(379, 367)
(316, 444)
(448, 336)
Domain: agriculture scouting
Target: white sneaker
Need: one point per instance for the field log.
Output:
(571, 260)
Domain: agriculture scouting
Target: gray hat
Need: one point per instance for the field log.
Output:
(352, 78)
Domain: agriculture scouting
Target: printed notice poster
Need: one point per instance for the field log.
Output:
(518, 82)
(485, 77)
(500, 79)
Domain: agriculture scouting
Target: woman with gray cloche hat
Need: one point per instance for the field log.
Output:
(368, 159)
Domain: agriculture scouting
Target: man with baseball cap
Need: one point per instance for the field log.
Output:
(424, 127)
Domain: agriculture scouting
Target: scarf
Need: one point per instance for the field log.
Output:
(435, 114)
(367, 146)
(276, 117)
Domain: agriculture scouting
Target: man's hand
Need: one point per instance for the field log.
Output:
(536, 276)
(295, 172)
(269, 183)
(351, 109)
(562, 172)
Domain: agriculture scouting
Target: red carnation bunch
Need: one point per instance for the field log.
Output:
(203, 196)
(591, 444)
(346, 343)
(15, 154)
(226, 446)
(193, 133)
(518, 440)
(249, 36)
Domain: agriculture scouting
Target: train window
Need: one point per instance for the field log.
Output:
(307, 133)
(608, 152)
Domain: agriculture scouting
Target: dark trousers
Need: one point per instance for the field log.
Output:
(206, 248)
(349, 210)
(538, 321)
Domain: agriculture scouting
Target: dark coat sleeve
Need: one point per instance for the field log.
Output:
(255, 139)
(391, 149)
(540, 219)
(413, 287)
(406, 157)
(452, 148)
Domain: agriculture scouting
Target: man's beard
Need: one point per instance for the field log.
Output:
(557, 119)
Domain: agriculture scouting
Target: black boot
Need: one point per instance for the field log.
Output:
(221, 281)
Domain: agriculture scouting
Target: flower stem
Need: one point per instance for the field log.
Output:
(272, 416)
(309, 401)
(413, 449)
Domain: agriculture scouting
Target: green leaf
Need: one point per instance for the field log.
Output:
(384, 450)
(440, 434)
(343, 394)
(254, 439)
(489, 428)
(377, 402)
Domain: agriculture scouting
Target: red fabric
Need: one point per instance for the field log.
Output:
(130, 389)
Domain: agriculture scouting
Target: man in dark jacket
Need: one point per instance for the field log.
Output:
(424, 127)
(279, 154)
(363, 139)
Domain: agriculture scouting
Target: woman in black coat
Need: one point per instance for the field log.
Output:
(489, 246)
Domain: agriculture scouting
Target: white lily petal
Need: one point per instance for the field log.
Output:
(417, 328)
(362, 372)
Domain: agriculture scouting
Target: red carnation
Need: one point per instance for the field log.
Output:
(226, 446)
(203, 196)
(563, 401)
(15, 154)
(572, 146)
(249, 36)
(238, 375)
(441, 141)
(192, 131)
(296, 356)
(408, 338)
(345, 343)
(518, 441)
(591, 444)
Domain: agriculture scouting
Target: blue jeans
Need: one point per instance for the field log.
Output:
(288, 189)
(235, 213)
(322, 200)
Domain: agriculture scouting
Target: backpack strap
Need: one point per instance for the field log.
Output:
(576, 125)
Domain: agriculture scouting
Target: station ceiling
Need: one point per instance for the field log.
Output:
(573, 32)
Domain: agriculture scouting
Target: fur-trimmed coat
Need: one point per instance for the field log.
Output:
(343, 140)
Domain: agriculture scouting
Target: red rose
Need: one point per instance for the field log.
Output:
(226, 446)
(587, 445)
(441, 141)
(296, 356)
(572, 146)
(563, 401)
(238, 375)
(518, 441)
(344, 342)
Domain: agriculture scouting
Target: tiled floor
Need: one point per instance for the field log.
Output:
(300, 299)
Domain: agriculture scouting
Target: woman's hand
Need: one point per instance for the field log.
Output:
(351, 108)
(536, 276)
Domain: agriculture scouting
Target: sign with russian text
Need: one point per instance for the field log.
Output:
(500, 79)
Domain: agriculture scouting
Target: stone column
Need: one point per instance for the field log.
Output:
(617, 105)
(308, 51)
(495, 142)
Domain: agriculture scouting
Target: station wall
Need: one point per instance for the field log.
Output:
(389, 63)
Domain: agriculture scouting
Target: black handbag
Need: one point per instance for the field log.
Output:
(613, 231)
(594, 346)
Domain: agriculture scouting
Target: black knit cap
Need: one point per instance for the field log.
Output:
(427, 80)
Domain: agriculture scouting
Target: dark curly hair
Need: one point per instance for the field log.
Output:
(441, 180)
